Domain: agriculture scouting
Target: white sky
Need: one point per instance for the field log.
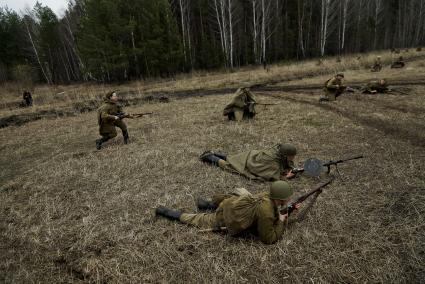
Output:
(58, 6)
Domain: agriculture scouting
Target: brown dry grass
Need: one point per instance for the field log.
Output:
(70, 213)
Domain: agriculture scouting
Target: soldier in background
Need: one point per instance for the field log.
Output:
(241, 211)
(108, 119)
(377, 65)
(269, 164)
(398, 63)
(242, 105)
(376, 86)
(334, 87)
(27, 98)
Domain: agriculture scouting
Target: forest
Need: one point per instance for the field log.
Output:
(121, 40)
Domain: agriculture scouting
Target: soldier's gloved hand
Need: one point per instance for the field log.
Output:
(116, 117)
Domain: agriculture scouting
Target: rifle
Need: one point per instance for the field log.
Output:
(122, 115)
(313, 167)
(266, 104)
(397, 91)
(317, 189)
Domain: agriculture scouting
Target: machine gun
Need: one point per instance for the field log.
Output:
(313, 167)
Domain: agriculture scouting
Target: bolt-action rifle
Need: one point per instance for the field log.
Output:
(313, 167)
(122, 115)
(317, 189)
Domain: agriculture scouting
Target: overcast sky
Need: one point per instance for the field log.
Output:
(58, 6)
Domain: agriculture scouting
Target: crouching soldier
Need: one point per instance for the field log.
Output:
(242, 106)
(27, 98)
(377, 65)
(374, 87)
(109, 116)
(334, 87)
(239, 212)
(266, 165)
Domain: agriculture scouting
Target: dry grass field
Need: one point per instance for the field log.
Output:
(70, 213)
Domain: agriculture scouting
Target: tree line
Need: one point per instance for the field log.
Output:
(119, 40)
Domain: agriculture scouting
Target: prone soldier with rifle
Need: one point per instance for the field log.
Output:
(109, 116)
(265, 214)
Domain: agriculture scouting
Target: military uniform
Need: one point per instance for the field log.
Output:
(107, 122)
(377, 65)
(242, 106)
(333, 88)
(255, 213)
(266, 165)
(398, 63)
(27, 98)
(374, 87)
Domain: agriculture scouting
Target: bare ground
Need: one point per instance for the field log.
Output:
(70, 213)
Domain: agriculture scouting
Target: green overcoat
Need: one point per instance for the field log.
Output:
(243, 101)
(256, 212)
(106, 118)
(266, 164)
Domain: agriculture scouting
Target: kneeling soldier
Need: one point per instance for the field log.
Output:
(108, 119)
(242, 106)
(377, 65)
(266, 165)
(236, 213)
(333, 88)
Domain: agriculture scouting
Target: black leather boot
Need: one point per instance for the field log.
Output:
(168, 213)
(221, 155)
(125, 135)
(204, 204)
(100, 141)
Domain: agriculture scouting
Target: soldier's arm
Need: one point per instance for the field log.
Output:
(332, 84)
(104, 114)
(269, 229)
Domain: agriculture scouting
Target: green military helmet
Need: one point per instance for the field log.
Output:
(287, 150)
(280, 190)
(340, 74)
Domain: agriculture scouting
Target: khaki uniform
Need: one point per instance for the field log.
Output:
(106, 119)
(256, 213)
(377, 66)
(375, 87)
(242, 105)
(333, 88)
(266, 165)
(398, 63)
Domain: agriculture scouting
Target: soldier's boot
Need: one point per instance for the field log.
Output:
(323, 99)
(222, 156)
(125, 135)
(100, 141)
(204, 204)
(171, 214)
(210, 158)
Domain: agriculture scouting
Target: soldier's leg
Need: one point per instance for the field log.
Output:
(105, 137)
(231, 116)
(201, 220)
(120, 123)
(238, 115)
